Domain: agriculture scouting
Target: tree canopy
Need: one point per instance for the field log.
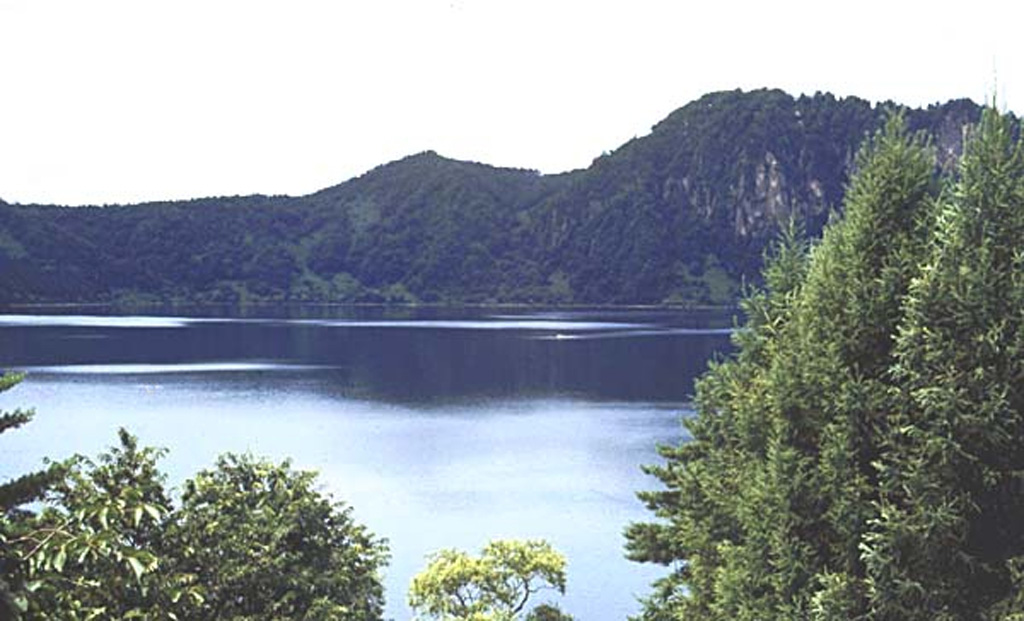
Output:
(249, 540)
(495, 586)
(264, 543)
(13, 494)
(860, 457)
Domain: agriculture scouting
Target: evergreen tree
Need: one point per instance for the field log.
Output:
(28, 487)
(768, 504)
(949, 539)
(830, 383)
(862, 456)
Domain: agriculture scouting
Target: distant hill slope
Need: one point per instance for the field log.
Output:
(680, 215)
(683, 212)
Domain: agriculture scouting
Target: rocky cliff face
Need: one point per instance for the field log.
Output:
(771, 199)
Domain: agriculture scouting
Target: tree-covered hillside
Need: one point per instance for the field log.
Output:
(684, 213)
(681, 215)
(435, 228)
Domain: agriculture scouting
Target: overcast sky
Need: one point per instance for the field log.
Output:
(109, 101)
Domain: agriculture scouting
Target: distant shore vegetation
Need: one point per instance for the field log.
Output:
(681, 217)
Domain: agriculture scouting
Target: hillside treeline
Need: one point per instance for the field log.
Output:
(681, 215)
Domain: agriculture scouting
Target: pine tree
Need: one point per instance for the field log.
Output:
(949, 540)
(28, 487)
(830, 379)
(767, 505)
(704, 477)
(862, 456)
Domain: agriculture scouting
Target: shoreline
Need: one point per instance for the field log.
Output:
(6, 308)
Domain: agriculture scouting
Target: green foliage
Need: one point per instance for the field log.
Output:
(948, 537)
(13, 494)
(28, 487)
(495, 586)
(680, 216)
(94, 551)
(548, 612)
(264, 544)
(861, 455)
(251, 540)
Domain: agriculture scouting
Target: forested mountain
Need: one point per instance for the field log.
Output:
(681, 215)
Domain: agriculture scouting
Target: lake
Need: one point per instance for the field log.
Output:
(441, 428)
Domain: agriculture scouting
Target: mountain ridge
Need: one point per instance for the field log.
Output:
(680, 215)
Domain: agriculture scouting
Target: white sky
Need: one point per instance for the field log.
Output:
(105, 101)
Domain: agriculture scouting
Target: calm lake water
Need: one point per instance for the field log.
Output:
(441, 429)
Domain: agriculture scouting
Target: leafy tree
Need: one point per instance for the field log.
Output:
(265, 544)
(13, 494)
(548, 612)
(497, 585)
(251, 540)
(96, 549)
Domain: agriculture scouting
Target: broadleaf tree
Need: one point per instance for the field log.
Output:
(264, 543)
(97, 549)
(249, 540)
(14, 494)
(495, 586)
